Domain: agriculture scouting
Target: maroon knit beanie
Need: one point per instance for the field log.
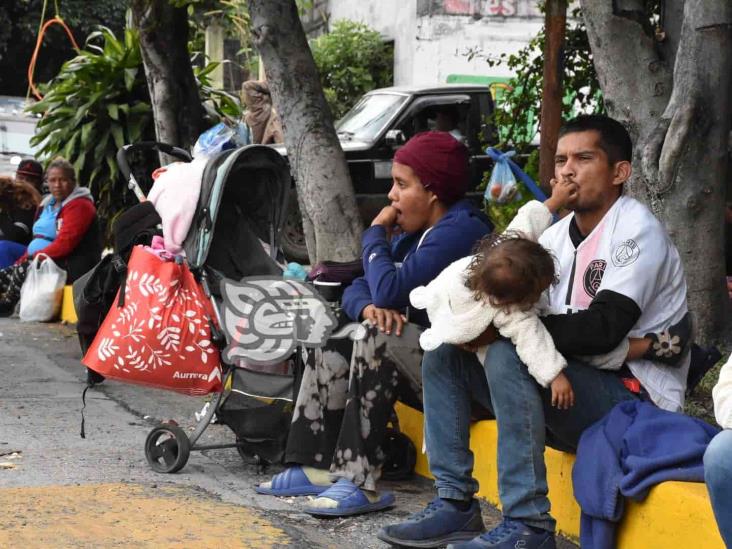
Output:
(440, 161)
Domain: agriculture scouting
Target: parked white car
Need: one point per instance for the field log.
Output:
(16, 130)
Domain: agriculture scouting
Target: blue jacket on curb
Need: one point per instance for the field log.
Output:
(634, 447)
(393, 270)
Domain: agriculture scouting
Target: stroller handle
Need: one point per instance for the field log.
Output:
(124, 165)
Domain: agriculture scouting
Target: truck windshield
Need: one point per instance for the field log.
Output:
(369, 116)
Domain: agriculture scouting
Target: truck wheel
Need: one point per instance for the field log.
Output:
(292, 236)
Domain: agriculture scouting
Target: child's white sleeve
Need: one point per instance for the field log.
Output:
(613, 360)
(532, 219)
(534, 345)
(722, 395)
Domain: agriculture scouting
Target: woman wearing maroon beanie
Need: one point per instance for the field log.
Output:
(346, 400)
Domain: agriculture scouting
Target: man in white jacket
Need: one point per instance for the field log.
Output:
(620, 276)
(718, 457)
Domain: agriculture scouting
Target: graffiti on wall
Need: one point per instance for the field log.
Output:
(492, 8)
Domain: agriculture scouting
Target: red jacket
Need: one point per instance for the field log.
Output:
(76, 215)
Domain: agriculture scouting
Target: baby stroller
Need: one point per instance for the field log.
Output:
(234, 234)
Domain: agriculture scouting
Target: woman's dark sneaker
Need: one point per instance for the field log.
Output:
(436, 525)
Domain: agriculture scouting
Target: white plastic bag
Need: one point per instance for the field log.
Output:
(42, 291)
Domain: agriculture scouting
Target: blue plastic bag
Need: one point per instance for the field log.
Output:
(502, 187)
(213, 141)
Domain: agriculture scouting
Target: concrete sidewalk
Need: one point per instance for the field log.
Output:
(60, 490)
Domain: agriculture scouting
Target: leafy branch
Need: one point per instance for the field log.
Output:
(98, 102)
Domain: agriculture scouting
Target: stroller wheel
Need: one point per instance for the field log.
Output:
(167, 448)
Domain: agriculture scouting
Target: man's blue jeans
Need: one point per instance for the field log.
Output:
(718, 476)
(526, 422)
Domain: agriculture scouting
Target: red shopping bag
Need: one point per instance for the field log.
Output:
(161, 336)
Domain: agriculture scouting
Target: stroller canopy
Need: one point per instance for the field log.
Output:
(240, 213)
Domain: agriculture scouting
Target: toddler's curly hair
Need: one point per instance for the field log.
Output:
(510, 271)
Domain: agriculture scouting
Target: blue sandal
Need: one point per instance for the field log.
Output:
(291, 482)
(351, 501)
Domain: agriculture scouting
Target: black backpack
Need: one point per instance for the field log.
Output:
(94, 292)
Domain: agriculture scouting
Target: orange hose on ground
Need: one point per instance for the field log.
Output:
(32, 66)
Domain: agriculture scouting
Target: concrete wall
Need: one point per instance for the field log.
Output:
(432, 37)
(442, 43)
(395, 19)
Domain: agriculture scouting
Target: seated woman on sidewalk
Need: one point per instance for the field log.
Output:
(342, 412)
(18, 203)
(65, 230)
(718, 457)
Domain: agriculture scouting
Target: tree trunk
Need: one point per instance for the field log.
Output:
(327, 202)
(177, 108)
(676, 101)
(555, 25)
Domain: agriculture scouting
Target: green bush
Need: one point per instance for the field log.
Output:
(98, 102)
(352, 59)
(518, 107)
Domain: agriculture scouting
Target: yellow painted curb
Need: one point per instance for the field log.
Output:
(675, 515)
(68, 313)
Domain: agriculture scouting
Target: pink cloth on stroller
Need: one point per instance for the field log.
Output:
(175, 196)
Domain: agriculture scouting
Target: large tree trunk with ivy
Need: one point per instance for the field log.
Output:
(330, 218)
(177, 108)
(671, 87)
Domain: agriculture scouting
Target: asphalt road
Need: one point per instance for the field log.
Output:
(59, 490)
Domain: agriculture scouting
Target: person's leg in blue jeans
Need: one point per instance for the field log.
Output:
(524, 415)
(451, 378)
(718, 476)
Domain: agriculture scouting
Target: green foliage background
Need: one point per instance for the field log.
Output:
(352, 59)
(21, 19)
(518, 106)
(97, 103)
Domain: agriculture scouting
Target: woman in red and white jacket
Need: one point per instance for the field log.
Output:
(65, 229)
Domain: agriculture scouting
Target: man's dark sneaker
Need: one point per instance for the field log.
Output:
(436, 525)
(508, 535)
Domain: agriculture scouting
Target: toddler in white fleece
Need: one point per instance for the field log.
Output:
(502, 284)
